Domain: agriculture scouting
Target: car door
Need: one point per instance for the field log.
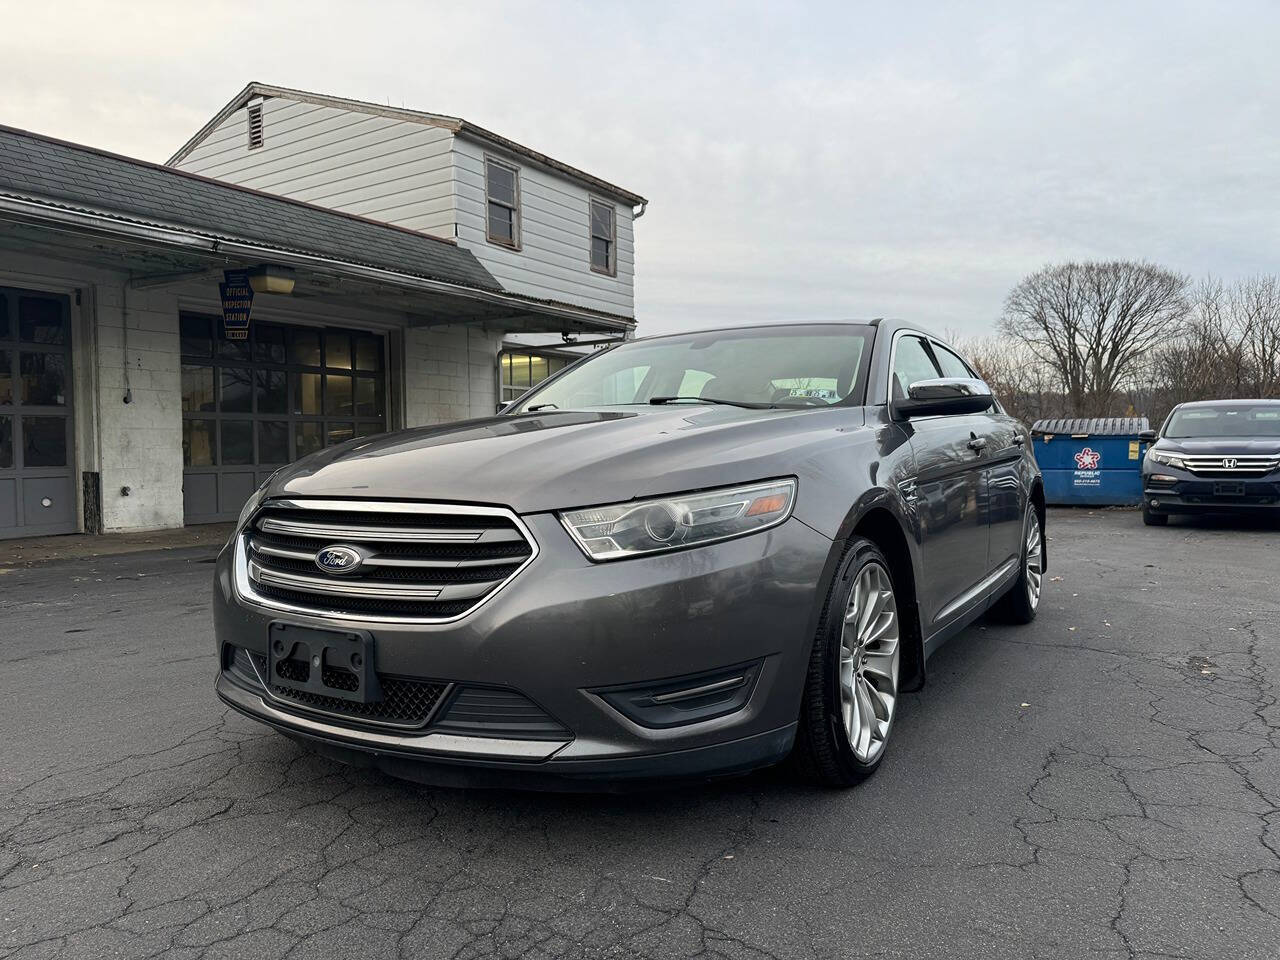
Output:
(1006, 439)
(949, 492)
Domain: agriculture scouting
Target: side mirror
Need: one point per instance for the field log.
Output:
(948, 396)
(502, 406)
(1148, 436)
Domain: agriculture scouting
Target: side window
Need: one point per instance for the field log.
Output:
(604, 238)
(502, 193)
(952, 365)
(911, 363)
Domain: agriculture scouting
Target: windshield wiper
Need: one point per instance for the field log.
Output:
(657, 401)
(540, 406)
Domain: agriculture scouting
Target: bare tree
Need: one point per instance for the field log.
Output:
(1096, 324)
(1025, 386)
(1255, 311)
(1229, 346)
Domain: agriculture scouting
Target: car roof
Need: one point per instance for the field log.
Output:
(1227, 403)
(881, 323)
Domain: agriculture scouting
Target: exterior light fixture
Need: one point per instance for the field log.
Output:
(269, 278)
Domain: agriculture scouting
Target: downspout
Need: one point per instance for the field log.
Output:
(124, 338)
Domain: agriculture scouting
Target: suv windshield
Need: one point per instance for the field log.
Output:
(785, 366)
(1230, 420)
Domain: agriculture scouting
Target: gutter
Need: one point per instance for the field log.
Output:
(77, 220)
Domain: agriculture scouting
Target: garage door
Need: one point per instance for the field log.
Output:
(37, 493)
(249, 406)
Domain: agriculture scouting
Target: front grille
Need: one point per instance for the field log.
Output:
(1232, 467)
(406, 703)
(403, 561)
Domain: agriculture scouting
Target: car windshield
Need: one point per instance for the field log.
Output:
(784, 366)
(1229, 420)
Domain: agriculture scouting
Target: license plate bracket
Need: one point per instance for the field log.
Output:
(328, 663)
(1228, 489)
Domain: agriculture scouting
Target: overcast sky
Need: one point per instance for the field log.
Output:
(834, 159)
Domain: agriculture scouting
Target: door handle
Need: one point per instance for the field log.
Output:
(977, 443)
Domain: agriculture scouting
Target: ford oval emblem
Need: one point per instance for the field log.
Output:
(339, 559)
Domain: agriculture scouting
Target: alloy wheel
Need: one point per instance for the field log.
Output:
(1035, 560)
(869, 662)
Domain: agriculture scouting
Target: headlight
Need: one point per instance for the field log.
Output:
(671, 523)
(1169, 459)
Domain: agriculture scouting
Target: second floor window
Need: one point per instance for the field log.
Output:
(502, 191)
(604, 238)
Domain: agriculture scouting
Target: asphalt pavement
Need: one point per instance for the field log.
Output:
(1102, 783)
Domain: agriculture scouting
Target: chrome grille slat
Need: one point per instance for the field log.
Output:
(379, 560)
(327, 585)
(294, 528)
(414, 562)
(257, 546)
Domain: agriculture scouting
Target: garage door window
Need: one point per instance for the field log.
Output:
(44, 379)
(45, 441)
(40, 320)
(282, 394)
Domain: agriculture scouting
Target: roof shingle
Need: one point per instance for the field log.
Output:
(37, 167)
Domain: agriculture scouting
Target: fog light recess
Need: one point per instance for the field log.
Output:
(677, 701)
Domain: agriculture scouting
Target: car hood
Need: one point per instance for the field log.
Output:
(557, 459)
(1219, 446)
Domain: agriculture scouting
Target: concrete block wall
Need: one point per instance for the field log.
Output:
(450, 373)
(141, 441)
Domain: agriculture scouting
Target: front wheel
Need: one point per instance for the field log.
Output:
(1019, 605)
(851, 691)
(1153, 519)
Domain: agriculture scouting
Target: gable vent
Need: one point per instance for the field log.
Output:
(255, 126)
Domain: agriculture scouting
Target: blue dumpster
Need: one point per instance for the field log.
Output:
(1094, 462)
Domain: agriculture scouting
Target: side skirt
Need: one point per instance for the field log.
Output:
(972, 604)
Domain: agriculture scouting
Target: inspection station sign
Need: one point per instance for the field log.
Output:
(237, 304)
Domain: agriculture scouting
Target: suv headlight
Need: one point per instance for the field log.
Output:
(672, 523)
(1169, 459)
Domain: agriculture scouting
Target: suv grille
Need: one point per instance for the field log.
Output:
(1229, 466)
(389, 561)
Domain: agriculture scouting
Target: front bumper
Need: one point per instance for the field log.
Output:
(566, 633)
(1189, 493)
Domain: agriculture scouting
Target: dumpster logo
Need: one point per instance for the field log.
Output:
(1088, 459)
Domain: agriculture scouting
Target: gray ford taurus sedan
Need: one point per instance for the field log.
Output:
(683, 556)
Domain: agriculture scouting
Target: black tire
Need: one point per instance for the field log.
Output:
(1019, 605)
(823, 750)
(1153, 519)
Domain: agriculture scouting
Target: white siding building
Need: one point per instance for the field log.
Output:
(526, 217)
